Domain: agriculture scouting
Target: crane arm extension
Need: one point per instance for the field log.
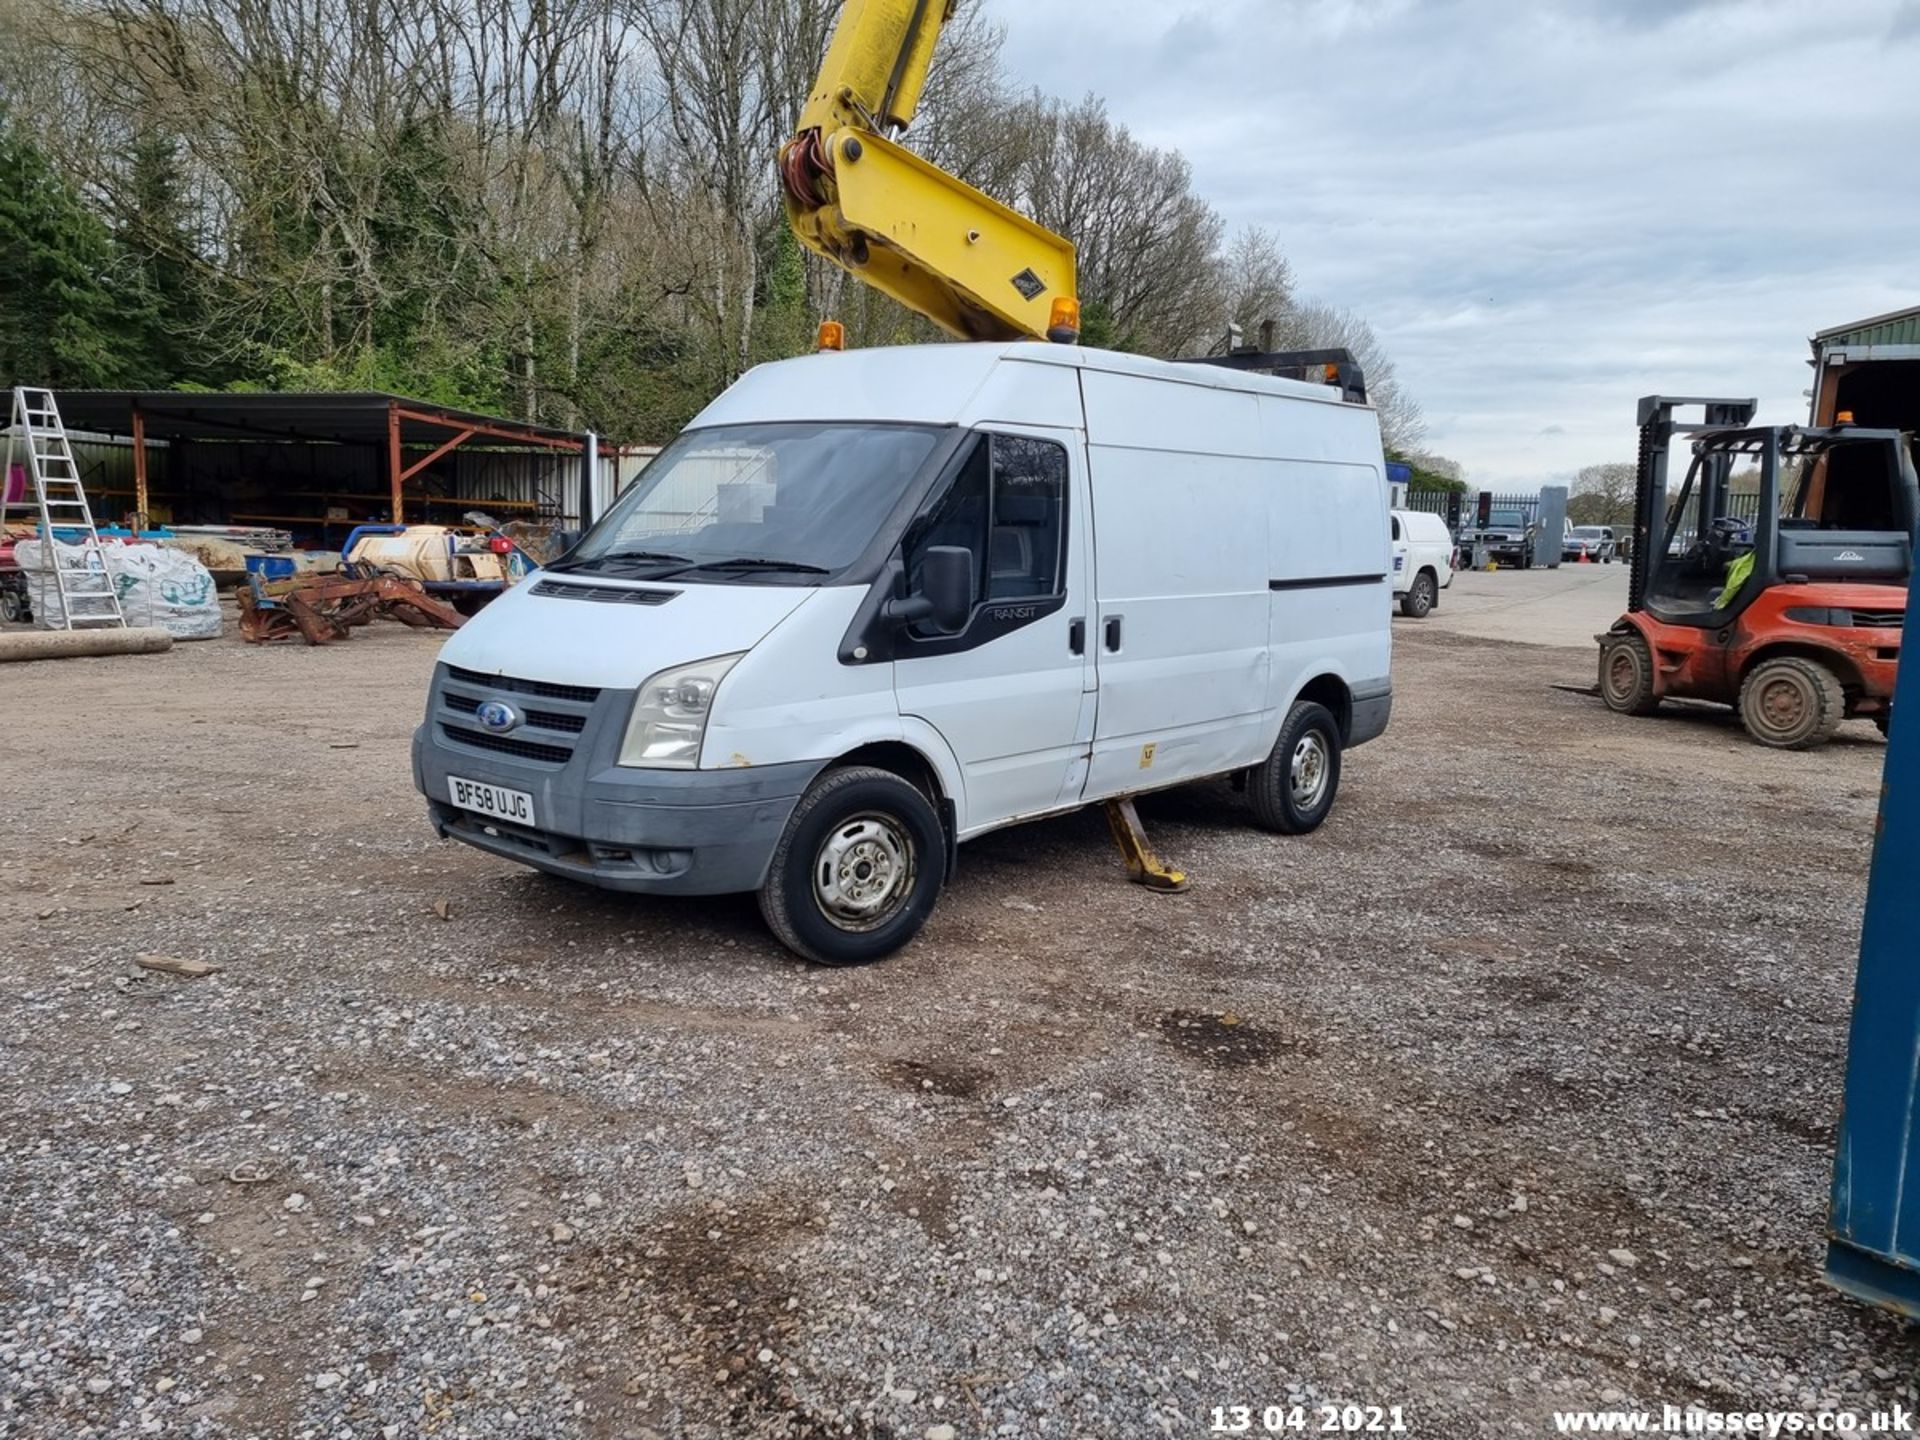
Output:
(975, 267)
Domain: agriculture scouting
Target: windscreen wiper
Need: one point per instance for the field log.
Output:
(596, 561)
(761, 562)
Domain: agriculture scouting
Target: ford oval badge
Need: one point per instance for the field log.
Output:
(497, 716)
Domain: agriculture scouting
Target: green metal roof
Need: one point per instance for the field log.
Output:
(1902, 327)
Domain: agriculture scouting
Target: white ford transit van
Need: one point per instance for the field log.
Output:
(872, 604)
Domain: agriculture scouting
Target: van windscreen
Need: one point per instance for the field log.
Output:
(773, 503)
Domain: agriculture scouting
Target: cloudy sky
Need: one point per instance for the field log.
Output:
(1545, 209)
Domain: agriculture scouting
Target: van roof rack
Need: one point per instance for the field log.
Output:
(1317, 367)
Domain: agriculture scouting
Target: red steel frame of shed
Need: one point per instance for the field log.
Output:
(336, 417)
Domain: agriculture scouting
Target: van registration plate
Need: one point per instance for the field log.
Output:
(495, 801)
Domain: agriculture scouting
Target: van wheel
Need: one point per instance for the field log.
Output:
(1419, 599)
(1626, 674)
(1292, 790)
(1791, 703)
(857, 870)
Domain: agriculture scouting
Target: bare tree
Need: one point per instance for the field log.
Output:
(1319, 327)
(1149, 271)
(554, 203)
(1603, 495)
(1258, 280)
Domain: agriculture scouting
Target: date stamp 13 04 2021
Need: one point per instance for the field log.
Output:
(1308, 1420)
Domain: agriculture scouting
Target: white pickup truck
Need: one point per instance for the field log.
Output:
(1422, 560)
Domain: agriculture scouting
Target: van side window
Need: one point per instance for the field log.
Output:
(960, 517)
(1008, 506)
(1396, 527)
(1029, 513)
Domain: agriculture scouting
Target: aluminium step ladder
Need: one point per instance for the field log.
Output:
(88, 599)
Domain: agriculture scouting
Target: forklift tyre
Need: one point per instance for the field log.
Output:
(1792, 703)
(1626, 674)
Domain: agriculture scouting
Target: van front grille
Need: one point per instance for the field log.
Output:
(548, 730)
(584, 694)
(539, 719)
(502, 745)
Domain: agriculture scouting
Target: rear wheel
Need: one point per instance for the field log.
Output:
(1419, 600)
(857, 870)
(1883, 720)
(1626, 674)
(1792, 703)
(1293, 789)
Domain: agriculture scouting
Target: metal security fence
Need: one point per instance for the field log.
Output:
(1464, 510)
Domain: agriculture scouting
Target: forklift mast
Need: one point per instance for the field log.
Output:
(1658, 427)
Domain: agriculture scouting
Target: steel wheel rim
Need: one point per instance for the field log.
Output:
(1310, 770)
(1785, 704)
(1623, 673)
(863, 872)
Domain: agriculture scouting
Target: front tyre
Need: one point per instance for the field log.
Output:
(857, 870)
(1626, 674)
(1293, 789)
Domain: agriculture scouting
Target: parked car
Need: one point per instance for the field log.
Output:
(1595, 542)
(1507, 537)
(808, 657)
(1422, 560)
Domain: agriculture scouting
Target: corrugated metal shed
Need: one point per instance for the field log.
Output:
(1902, 327)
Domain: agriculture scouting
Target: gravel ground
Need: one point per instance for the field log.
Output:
(1513, 1088)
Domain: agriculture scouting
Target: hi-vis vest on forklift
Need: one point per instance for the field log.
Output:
(870, 605)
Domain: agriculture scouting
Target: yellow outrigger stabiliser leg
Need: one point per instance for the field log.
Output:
(1143, 866)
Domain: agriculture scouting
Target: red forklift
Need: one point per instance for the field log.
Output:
(1787, 605)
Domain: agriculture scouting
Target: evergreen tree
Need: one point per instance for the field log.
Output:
(156, 248)
(63, 321)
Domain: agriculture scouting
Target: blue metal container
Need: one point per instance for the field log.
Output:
(270, 567)
(1873, 1249)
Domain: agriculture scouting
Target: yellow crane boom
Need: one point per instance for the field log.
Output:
(976, 268)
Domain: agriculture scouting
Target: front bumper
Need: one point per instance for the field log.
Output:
(672, 832)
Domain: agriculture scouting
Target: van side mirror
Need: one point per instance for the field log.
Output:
(945, 595)
(562, 541)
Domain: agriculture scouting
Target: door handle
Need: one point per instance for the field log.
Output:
(1077, 636)
(1113, 632)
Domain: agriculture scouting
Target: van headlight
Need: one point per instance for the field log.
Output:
(670, 715)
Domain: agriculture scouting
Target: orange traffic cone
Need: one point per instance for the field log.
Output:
(1585, 558)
